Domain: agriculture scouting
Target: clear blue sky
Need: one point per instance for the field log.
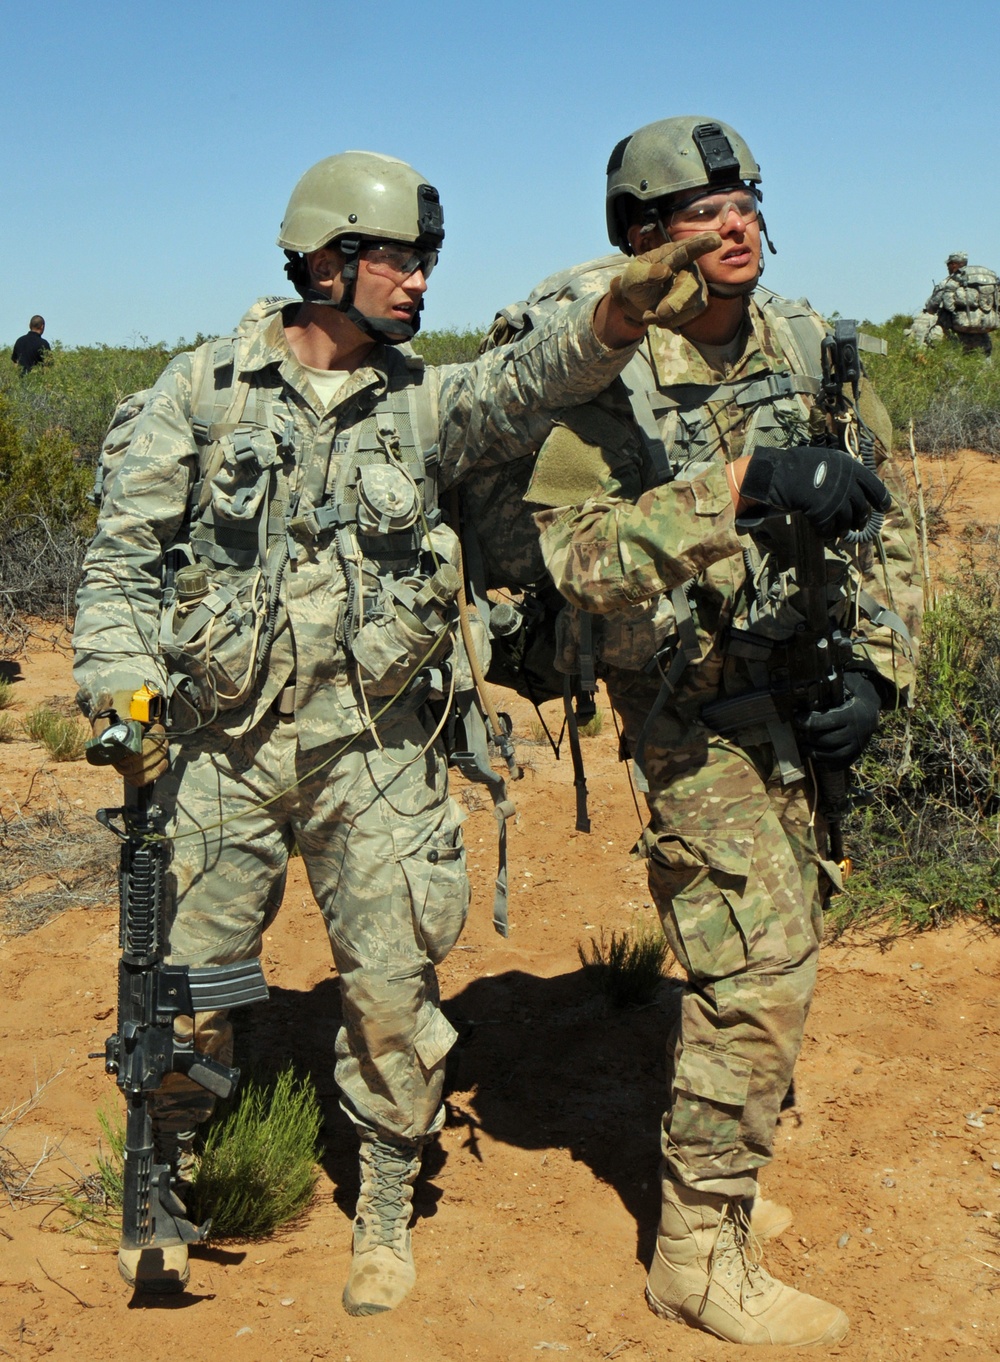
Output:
(149, 149)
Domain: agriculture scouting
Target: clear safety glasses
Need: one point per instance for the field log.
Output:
(711, 211)
(398, 262)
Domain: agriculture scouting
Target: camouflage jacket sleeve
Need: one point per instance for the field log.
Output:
(941, 297)
(609, 553)
(502, 405)
(118, 604)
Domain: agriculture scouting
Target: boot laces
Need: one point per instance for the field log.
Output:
(736, 1253)
(387, 1190)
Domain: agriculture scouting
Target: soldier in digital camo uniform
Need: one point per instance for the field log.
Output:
(287, 478)
(640, 492)
(965, 305)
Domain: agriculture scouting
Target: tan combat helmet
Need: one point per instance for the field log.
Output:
(354, 198)
(670, 157)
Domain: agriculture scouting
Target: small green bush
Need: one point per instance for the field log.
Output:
(952, 395)
(95, 1202)
(258, 1167)
(9, 728)
(627, 968)
(926, 842)
(449, 347)
(6, 694)
(63, 738)
(594, 726)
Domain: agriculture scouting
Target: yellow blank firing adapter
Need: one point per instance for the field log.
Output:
(146, 704)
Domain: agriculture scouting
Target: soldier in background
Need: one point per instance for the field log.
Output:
(287, 477)
(965, 306)
(718, 415)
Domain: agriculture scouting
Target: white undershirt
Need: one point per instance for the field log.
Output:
(326, 383)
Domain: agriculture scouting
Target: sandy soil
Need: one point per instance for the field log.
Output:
(536, 1217)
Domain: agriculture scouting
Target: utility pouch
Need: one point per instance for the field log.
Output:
(211, 635)
(412, 628)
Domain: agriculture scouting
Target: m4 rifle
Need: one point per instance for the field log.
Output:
(145, 1047)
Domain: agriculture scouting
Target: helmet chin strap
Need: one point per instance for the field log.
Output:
(385, 330)
(734, 290)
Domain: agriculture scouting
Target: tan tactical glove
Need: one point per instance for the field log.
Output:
(138, 768)
(664, 287)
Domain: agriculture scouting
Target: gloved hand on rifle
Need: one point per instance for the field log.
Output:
(834, 491)
(835, 738)
(137, 768)
(664, 287)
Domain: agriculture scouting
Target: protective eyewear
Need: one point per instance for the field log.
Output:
(398, 262)
(712, 210)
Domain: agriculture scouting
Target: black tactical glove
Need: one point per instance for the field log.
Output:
(835, 738)
(834, 491)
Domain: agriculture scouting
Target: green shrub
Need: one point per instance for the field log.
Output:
(594, 726)
(449, 347)
(952, 396)
(78, 389)
(95, 1201)
(63, 738)
(627, 968)
(258, 1166)
(926, 845)
(6, 694)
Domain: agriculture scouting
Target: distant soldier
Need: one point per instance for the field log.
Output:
(966, 305)
(30, 349)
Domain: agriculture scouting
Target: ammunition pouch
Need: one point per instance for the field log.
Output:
(211, 636)
(413, 627)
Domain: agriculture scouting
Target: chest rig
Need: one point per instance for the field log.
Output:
(368, 495)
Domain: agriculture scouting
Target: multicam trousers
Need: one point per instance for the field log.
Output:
(738, 880)
(382, 845)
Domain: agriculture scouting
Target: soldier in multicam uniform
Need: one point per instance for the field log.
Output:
(966, 305)
(270, 553)
(676, 607)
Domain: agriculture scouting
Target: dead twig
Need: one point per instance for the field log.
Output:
(79, 1299)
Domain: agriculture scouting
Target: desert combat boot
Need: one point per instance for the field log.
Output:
(705, 1273)
(382, 1271)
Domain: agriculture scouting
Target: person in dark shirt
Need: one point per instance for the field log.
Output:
(31, 349)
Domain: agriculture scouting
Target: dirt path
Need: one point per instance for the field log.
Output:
(536, 1217)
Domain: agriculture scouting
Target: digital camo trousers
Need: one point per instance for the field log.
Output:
(737, 878)
(381, 842)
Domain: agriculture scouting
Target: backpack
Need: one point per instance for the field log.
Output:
(972, 296)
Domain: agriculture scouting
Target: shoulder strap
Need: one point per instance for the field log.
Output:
(216, 408)
(637, 379)
(799, 326)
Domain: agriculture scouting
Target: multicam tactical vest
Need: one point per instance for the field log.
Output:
(663, 424)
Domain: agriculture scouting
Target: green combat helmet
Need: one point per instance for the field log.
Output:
(674, 157)
(351, 200)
